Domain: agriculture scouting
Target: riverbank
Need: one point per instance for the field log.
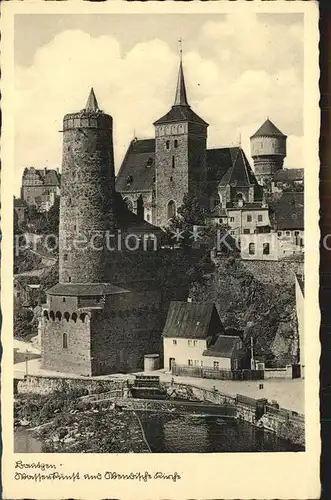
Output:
(78, 427)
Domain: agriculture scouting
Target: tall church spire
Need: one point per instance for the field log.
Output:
(92, 103)
(181, 97)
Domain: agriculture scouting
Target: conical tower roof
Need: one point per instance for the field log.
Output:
(268, 129)
(181, 97)
(92, 103)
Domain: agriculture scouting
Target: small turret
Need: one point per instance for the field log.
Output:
(268, 149)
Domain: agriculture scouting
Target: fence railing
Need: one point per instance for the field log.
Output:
(210, 373)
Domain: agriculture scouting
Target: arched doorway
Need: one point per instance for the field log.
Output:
(171, 209)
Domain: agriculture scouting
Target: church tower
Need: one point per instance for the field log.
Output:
(268, 149)
(180, 154)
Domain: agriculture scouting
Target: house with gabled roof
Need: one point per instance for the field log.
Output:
(194, 336)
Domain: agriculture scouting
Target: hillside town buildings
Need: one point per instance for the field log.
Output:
(40, 187)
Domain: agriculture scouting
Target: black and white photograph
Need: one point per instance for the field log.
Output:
(159, 226)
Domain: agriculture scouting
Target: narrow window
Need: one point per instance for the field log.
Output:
(173, 162)
(195, 343)
(249, 218)
(65, 257)
(174, 341)
(190, 362)
(176, 143)
(171, 209)
(251, 248)
(168, 144)
(216, 365)
(260, 218)
(171, 179)
(65, 341)
(190, 343)
(231, 219)
(69, 279)
(63, 299)
(221, 221)
(279, 233)
(266, 248)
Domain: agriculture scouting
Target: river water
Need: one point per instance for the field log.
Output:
(187, 434)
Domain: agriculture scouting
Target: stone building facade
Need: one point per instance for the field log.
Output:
(91, 325)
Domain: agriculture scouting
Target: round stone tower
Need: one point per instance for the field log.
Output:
(87, 194)
(268, 149)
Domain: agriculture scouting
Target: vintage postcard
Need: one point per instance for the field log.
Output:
(160, 250)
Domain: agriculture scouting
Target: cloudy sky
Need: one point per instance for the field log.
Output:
(239, 69)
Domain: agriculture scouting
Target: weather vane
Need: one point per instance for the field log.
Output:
(180, 42)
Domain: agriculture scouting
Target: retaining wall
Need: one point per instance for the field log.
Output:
(34, 384)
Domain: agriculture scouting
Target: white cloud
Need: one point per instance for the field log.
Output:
(234, 81)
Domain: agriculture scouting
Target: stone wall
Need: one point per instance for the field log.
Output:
(274, 272)
(127, 329)
(278, 372)
(285, 428)
(34, 384)
(75, 357)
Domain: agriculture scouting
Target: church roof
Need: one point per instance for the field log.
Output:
(268, 129)
(181, 97)
(240, 173)
(179, 113)
(190, 320)
(52, 178)
(137, 172)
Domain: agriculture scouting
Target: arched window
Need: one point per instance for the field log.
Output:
(251, 248)
(66, 316)
(52, 315)
(46, 315)
(74, 317)
(171, 209)
(65, 341)
(140, 207)
(167, 144)
(129, 203)
(82, 317)
(58, 315)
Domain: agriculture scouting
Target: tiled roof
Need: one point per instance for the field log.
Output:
(191, 320)
(51, 178)
(268, 129)
(180, 113)
(288, 211)
(137, 172)
(85, 289)
(224, 347)
(289, 175)
(240, 173)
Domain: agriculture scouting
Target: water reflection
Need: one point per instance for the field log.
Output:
(192, 434)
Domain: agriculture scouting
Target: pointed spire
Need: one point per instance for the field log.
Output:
(181, 97)
(92, 103)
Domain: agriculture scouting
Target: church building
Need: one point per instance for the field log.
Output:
(156, 173)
